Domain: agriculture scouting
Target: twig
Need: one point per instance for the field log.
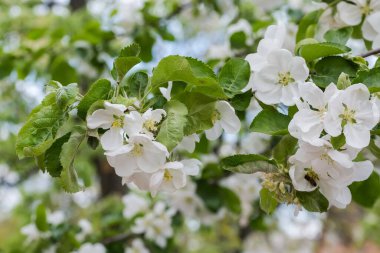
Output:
(372, 52)
(117, 238)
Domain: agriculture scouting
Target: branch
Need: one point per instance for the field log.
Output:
(117, 238)
(372, 52)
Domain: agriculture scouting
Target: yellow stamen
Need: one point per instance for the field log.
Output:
(285, 78)
(150, 125)
(167, 176)
(137, 150)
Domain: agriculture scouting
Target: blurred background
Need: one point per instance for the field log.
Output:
(75, 41)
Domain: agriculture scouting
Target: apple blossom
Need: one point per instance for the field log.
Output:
(137, 247)
(371, 29)
(223, 118)
(188, 143)
(111, 118)
(134, 204)
(145, 123)
(353, 113)
(352, 13)
(141, 153)
(308, 123)
(277, 82)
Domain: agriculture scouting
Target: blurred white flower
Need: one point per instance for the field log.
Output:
(188, 143)
(56, 218)
(137, 247)
(371, 29)
(91, 248)
(134, 204)
(352, 13)
(86, 229)
(32, 233)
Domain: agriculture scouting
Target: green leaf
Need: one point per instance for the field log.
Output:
(366, 193)
(200, 109)
(267, 202)
(38, 133)
(66, 95)
(234, 76)
(137, 84)
(241, 102)
(238, 39)
(230, 200)
(306, 27)
(328, 69)
(122, 65)
(375, 150)
(343, 81)
(370, 78)
(41, 220)
(62, 72)
(69, 179)
(284, 149)
(338, 141)
(130, 50)
(313, 201)
(311, 52)
(172, 128)
(248, 164)
(339, 36)
(52, 161)
(270, 121)
(198, 76)
(100, 90)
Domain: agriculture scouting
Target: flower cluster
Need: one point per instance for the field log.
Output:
(130, 147)
(276, 73)
(354, 13)
(346, 116)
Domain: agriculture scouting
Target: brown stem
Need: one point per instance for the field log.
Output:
(372, 52)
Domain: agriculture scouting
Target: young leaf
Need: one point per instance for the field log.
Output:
(52, 161)
(136, 85)
(241, 102)
(234, 76)
(66, 95)
(306, 28)
(248, 164)
(69, 179)
(267, 202)
(339, 36)
(366, 193)
(198, 76)
(270, 121)
(230, 200)
(284, 149)
(38, 133)
(122, 65)
(311, 52)
(328, 70)
(98, 91)
(343, 81)
(370, 78)
(130, 50)
(41, 220)
(313, 201)
(171, 131)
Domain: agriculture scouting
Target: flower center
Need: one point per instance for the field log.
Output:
(150, 125)
(137, 149)
(285, 78)
(215, 116)
(167, 176)
(311, 177)
(348, 116)
(118, 121)
(366, 9)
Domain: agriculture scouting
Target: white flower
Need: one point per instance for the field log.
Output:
(32, 233)
(156, 225)
(308, 123)
(354, 113)
(330, 170)
(166, 91)
(141, 153)
(111, 118)
(223, 118)
(86, 229)
(137, 247)
(255, 143)
(145, 123)
(170, 178)
(139, 179)
(56, 217)
(91, 248)
(188, 143)
(277, 82)
(134, 204)
(371, 29)
(191, 167)
(351, 14)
